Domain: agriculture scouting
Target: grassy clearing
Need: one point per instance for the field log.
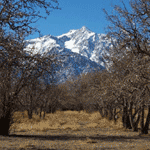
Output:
(71, 130)
(73, 120)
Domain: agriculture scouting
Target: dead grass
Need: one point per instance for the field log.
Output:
(71, 130)
(62, 120)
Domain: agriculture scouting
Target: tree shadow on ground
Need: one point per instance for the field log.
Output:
(73, 137)
(31, 149)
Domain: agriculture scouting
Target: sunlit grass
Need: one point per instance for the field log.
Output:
(73, 120)
(72, 124)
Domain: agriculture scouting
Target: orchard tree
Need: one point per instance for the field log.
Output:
(18, 69)
(19, 15)
(130, 34)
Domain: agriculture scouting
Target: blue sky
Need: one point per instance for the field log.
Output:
(77, 13)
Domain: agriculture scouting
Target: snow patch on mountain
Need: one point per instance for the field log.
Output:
(84, 50)
(66, 34)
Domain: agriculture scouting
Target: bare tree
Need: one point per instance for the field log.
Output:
(17, 68)
(129, 31)
(19, 15)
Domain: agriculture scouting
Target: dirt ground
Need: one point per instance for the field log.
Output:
(71, 131)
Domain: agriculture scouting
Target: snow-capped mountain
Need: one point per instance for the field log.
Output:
(83, 49)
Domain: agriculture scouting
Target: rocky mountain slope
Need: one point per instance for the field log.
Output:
(79, 50)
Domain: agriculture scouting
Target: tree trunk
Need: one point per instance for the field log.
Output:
(36, 111)
(51, 109)
(41, 108)
(30, 112)
(114, 114)
(124, 115)
(110, 113)
(146, 127)
(101, 111)
(44, 114)
(142, 119)
(128, 123)
(125, 118)
(131, 116)
(136, 123)
(5, 123)
(48, 109)
(106, 112)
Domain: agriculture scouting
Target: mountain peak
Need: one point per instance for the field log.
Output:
(79, 50)
(84, 28)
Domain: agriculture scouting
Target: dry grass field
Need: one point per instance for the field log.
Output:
(71, 130)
